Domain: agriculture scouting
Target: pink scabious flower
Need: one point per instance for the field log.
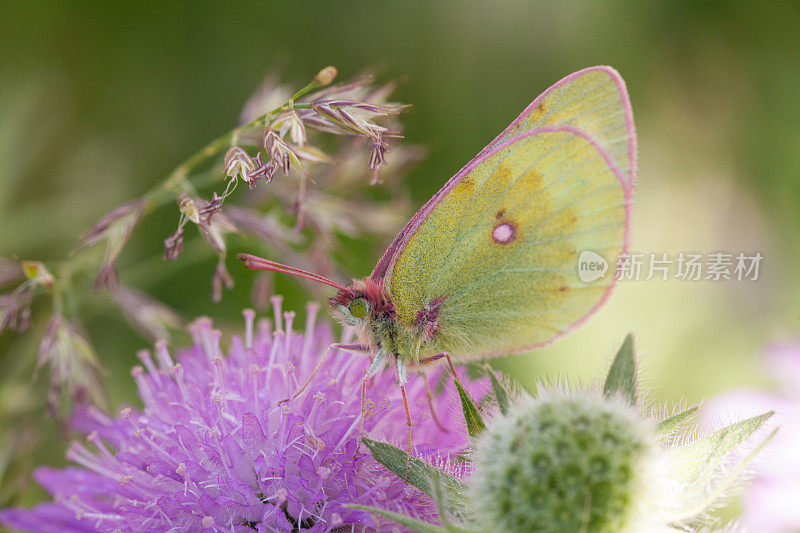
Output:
(770, 500)
(215, 449)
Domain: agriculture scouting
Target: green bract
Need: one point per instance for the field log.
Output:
(584, 460)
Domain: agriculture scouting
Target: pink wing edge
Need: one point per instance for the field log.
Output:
(627, 182)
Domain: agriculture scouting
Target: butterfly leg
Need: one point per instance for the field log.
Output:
(402, 377)
(429, 395)
(363, 414)
(334, 346)
(438, 356)
(432, 359)
(376, 364)
(427, 361)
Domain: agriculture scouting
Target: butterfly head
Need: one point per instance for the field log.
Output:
(360, 303)
(352, 311)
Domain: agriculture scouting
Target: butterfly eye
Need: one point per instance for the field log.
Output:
(359, 308)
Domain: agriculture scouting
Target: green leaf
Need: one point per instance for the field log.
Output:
(474, 421)
(702, 469)
(500, 392)
(668, 425)
(420, 474)
(723, 441)
(621, 377)
(440, 499)
(403, 520)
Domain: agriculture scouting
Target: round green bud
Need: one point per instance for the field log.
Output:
(565, 461)
(359, 308)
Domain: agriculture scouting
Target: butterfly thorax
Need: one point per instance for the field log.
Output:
(377, 324)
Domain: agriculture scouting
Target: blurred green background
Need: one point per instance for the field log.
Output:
(99, 100)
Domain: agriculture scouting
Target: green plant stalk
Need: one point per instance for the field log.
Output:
(177, 180)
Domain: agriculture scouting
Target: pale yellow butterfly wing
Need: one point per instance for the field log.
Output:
(499, 244)
(593, 100)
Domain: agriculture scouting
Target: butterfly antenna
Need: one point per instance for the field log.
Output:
(254, 262)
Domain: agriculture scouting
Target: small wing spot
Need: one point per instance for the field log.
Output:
(500, 214)
(537, 113)
(504, 233)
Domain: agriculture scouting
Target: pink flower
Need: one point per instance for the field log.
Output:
(214, 448)
(770, 501)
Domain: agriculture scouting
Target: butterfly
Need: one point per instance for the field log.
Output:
(490, 264)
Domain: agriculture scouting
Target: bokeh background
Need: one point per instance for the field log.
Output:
(99, 100)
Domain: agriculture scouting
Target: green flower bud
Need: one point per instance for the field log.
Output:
(566, 461)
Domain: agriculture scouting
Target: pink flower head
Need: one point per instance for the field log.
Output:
(214, 449)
